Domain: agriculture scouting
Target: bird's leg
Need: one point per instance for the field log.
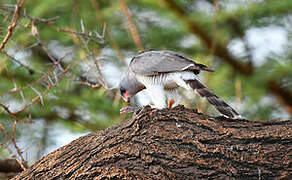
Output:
(173, 98)
(170, 103)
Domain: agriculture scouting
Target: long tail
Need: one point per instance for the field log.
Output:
(214, 100)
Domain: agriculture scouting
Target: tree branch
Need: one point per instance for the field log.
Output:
(283, 95)
(101, 20)
(131, 25)
(31, 71)
(220, 51)
(12, 24)
(174, 144)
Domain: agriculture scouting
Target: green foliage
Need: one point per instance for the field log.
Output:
(81, 108)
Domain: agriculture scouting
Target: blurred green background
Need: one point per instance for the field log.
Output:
(248, 44)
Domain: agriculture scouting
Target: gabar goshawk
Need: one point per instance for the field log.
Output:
(161, 73)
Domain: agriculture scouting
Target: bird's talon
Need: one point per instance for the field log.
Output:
(130, 109)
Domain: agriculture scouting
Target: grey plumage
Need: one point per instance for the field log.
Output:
(133, 85)
(151, 63)
(161, 73)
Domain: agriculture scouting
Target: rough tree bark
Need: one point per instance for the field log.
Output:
(174, 144)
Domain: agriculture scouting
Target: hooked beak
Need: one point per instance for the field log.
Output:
(127, 97)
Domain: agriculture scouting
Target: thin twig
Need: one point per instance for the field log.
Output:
(42, 20)
(96, 38)
(101, 20)
(54, 60)
(89, 83)
(12, 24)
(4, 129)
(92, 58)
(131, 25)
(20, 92)
(23, 164)
(31, 71)
(39, 94)
(19, 152)
(13, 116)
(14, 90)
(34, 100)
(37, 98)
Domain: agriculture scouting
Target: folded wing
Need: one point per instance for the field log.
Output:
(151, 63)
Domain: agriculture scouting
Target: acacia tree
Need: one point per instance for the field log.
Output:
(55, 57)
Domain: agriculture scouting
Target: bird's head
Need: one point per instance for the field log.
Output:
(126, 88)
(125, 94)
(129, 86)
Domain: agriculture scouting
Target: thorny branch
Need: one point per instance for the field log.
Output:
(12, 138)
(101, 20)
(30, 70)
(13, 115)
(13, 23)
(91, 36)
(85, 37)
(92, 58)
(95, 36)
(50, 86)
(84, 81)
(52, 77)
(49, 20)
(22, 162)
(44, 77)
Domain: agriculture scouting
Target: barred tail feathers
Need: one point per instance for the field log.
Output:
(214, 100)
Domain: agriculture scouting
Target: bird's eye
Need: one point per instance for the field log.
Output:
(122, 90)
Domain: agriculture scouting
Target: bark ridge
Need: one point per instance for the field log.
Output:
(174, 144)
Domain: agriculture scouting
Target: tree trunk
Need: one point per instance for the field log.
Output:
(174, 144)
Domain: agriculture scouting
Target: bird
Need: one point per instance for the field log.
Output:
(161, 73)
